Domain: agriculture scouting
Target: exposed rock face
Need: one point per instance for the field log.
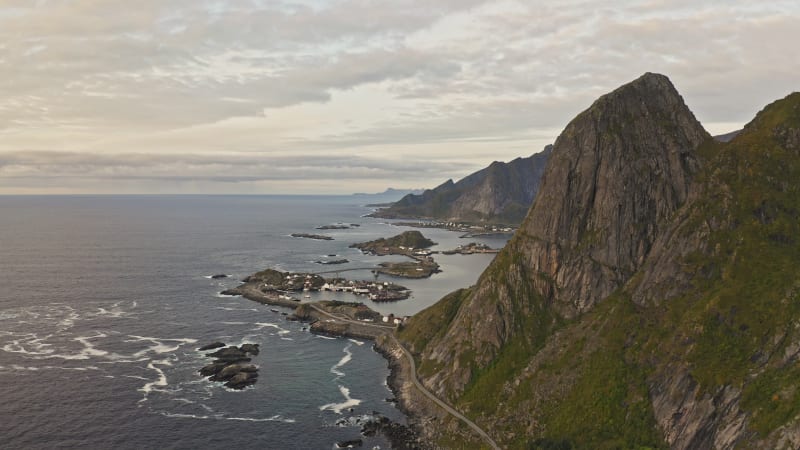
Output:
(500, 193)
(649, 299)
(617, 172)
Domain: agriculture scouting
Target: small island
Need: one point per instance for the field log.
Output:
(333, 262)
(334, 227)
(409, 243)
(403, 244)
(471, 249)
(319, 237)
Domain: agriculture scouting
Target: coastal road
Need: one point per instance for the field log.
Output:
(452, 411)
(343, 270)
(440, 402)
(385, 328)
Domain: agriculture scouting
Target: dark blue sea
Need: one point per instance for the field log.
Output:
(104, 301)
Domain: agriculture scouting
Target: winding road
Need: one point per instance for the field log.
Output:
(440, 402)
(452, 411)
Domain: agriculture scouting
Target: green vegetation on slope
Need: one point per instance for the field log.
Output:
(407, 239)
(746, 309)
(431, 322)
(586, 383)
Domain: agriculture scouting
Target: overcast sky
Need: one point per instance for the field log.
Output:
(340, 96)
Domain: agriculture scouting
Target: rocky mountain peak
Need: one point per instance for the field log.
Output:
(616, 172)
(699, 346)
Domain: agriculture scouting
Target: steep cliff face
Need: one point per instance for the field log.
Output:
(650, 297)
(500, 193)
(617, 172)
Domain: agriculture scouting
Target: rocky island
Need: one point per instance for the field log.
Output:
(409, 243)
(470, 249)
(334, 227)
(231, 365)
(319, 237)
(277, 286)
(332, 262)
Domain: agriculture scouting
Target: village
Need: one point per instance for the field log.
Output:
(284, 284)
(470, 229)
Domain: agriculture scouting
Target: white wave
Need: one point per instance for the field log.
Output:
(6, 315)
(338, 407)
(326, 337)
(69, 321)
(114, 312)
(221, 295)
(135, 377)
(87, 352)
(185, 416)
(31, 341)
(262, 325)
(36, 369)
(159, 347)
(286, 339)
(276, 418)
(225, 308)
(345, 359)
(357, 342)
(80, 369)
(154, 385)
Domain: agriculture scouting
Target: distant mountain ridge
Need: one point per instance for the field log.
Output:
(499, 193)
(393, 191)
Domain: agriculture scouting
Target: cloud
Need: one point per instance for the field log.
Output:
(360, 85)
(220, 172)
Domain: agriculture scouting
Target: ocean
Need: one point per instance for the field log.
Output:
(105, 299)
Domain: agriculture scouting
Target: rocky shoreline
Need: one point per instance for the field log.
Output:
(416, 436)
(341, 319)
(432, 427)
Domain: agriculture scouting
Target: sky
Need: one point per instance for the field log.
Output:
(342, 96)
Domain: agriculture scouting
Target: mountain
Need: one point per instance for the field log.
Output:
(650, 298)
(500, 193)
(727, 137)
(393, 192)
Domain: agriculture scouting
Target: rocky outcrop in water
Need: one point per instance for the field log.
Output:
(231, 365)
